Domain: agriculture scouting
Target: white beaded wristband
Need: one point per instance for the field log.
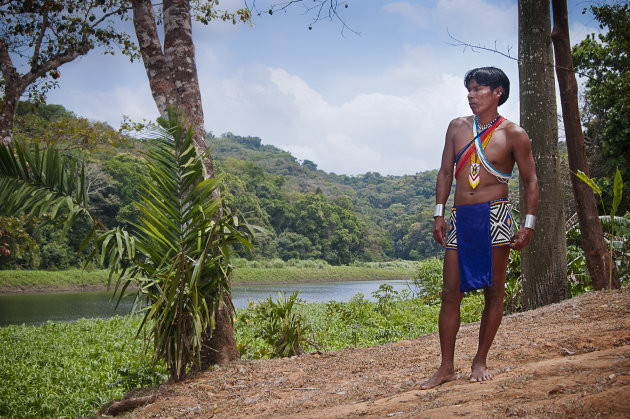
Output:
(439, 210)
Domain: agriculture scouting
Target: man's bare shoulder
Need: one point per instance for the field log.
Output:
(459, 124)
(462, 121)
(514, 132)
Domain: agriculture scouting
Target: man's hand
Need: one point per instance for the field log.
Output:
(439, 230)
(520, 239)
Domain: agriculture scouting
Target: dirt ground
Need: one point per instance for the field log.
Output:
(567, 360)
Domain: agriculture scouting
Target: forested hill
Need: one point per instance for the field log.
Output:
(305, 213)
(310, 213)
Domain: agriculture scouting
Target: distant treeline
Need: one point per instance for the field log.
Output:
(302, 212)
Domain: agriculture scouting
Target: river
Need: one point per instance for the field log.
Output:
(33, 309)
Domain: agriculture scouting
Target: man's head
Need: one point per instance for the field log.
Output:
(492, 77)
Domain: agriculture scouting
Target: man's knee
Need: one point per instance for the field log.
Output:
(494, 294)
(451, 295)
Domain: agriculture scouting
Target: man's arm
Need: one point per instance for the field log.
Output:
(444, 182)
(525, 161)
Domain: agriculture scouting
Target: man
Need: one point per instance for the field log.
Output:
(480, 152)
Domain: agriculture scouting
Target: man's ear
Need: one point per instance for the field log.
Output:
(498, 91)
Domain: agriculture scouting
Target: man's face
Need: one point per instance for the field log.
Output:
(482, 98)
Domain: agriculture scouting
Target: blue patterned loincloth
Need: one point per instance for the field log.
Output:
(479, 227)
(501, 224)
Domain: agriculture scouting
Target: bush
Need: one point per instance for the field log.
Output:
(279, 325)
(357, 322)
(55, 256)
(427, 280)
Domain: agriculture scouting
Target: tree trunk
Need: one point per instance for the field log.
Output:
(172, 74)
(603, 273)
(7, 115)
(220, 346)
(544, 261)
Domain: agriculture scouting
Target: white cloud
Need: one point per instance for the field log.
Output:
(579, 31)
(388, 133)
(386, 111)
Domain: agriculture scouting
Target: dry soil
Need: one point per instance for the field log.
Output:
(566, 360)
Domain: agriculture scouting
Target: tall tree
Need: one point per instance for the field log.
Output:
(544, 261)
(39, 36)
(172, 74)
(603, 273)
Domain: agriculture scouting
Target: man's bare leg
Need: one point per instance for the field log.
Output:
(492, 313)
(448, 322)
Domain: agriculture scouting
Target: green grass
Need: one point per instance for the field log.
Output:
(245, 272)
(66, 370)
(52, 279)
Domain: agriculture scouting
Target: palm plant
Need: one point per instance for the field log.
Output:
(179, 252)
(281, 326)
(41, 182)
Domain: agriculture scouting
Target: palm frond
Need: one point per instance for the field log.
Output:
(180, 255)
(42, 181)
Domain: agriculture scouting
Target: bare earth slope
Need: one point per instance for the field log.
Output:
(570, 359)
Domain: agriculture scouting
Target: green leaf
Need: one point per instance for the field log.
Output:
(582, 176)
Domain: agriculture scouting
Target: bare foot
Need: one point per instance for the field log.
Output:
(441, 376)
(480, 373)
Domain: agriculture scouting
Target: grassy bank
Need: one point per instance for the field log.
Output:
(245, 272)
(325, 273)
(50, 280)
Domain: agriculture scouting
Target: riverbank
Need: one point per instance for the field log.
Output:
(23, 281)
(566, 360)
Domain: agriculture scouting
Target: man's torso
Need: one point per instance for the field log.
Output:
(498, 153)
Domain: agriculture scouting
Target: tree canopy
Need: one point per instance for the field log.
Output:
(38, 36)
(604, 59)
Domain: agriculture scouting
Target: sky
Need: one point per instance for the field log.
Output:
(376, 97)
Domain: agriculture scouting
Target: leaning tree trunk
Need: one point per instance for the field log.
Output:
(172, 74)
(603, 273)
(544, 261)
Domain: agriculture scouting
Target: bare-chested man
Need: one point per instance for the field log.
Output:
(480, 152)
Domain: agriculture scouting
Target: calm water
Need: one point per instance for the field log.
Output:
(68, 306)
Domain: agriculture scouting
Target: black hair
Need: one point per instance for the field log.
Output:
(490, 76)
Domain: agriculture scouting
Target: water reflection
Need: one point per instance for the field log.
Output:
(68, 306)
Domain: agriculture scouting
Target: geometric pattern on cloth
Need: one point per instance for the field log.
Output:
(501, 224)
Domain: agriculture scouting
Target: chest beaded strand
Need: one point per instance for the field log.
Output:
(473, 176)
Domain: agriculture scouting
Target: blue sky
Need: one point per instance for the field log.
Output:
(378, 101)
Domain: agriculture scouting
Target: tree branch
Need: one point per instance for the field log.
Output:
(66, 57)
(40, 37)
(459, 43)
(318, 5)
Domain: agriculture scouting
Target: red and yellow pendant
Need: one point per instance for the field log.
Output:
(473, 176)
(475, 167)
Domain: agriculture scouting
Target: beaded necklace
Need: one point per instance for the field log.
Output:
(473, 176)
(483, 127)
